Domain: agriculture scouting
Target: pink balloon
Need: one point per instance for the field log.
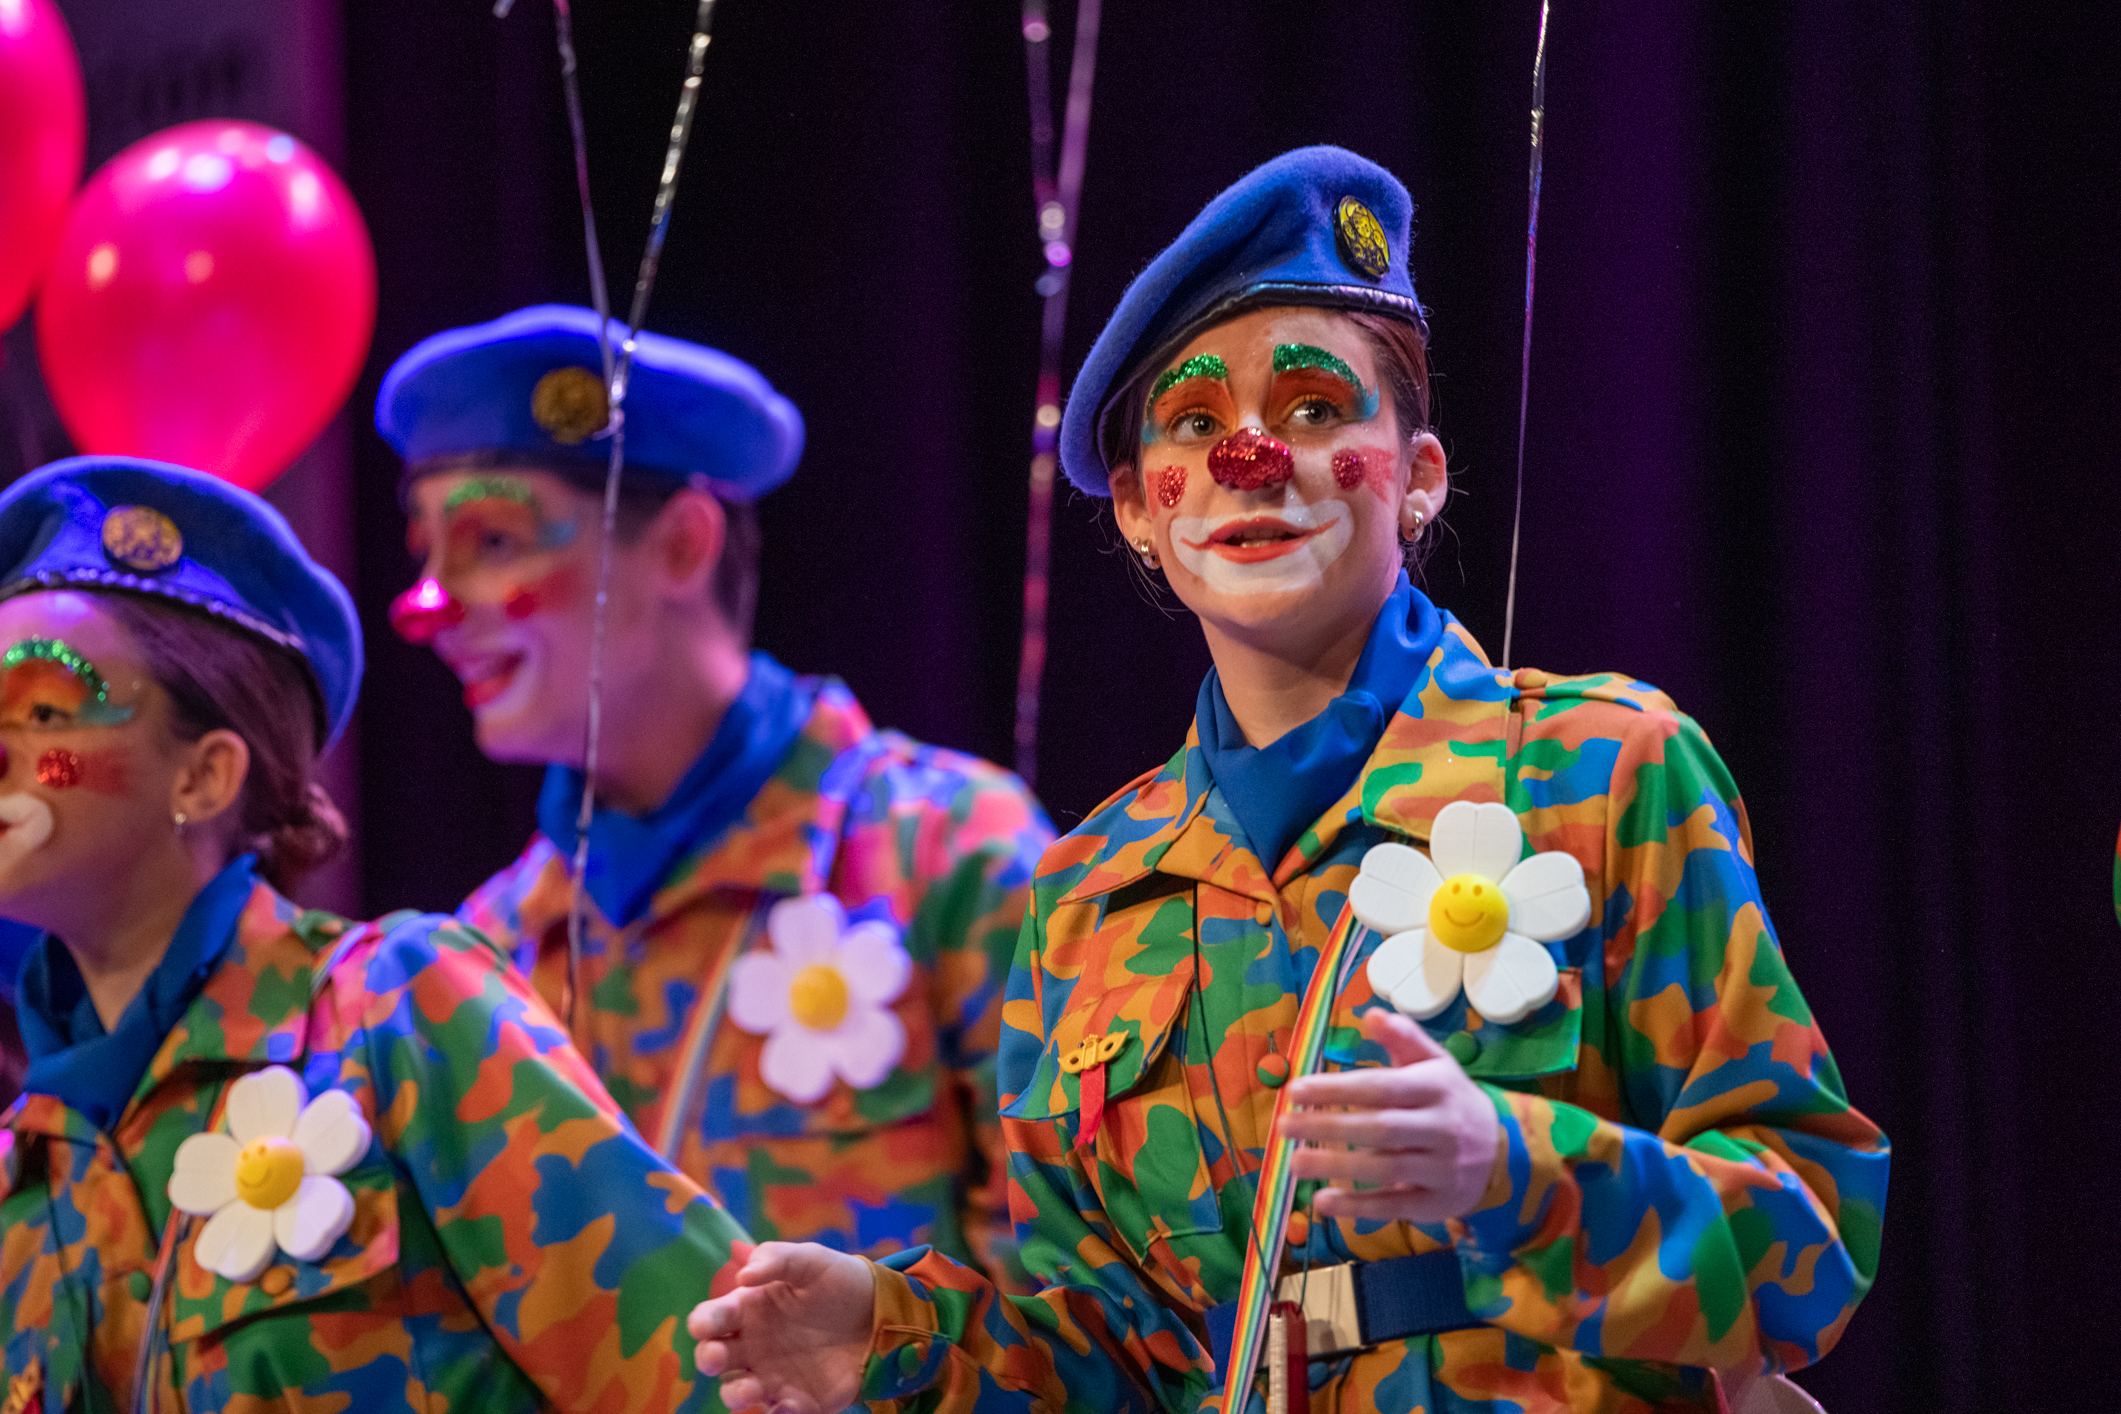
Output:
(43, 129)
(211, 301)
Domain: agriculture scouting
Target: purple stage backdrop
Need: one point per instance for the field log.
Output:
(1822, 413)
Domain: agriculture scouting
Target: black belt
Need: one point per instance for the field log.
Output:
(1394, 1299)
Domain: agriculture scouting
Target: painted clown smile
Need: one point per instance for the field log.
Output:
(498, 679)
(25, 824)
(1264, 552)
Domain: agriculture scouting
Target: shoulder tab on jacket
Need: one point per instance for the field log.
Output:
(1593, 687)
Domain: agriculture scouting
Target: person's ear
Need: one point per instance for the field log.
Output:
(686, 539)
(1130, 505)
(210, 777)
(1428, 485)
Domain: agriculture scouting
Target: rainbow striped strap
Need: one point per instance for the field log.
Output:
(1277, 1180)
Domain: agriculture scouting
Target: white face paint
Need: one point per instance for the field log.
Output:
(25, 824)
(1286, 547)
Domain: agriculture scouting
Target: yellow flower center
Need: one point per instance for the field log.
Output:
(818, 997)
(268, 1172)
(1468, 913)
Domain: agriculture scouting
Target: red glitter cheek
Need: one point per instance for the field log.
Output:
(103, 773)
(59, 769)
(527, 599)
(1347, 469)
(1170, 486)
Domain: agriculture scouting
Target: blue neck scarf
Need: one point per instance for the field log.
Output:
(1279, 791)
(630, 855)
(96, 1071)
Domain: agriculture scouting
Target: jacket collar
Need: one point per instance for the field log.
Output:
(1447, 742)
(253, 1010)
(784, 844)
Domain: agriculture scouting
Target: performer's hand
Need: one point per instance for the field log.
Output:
(794, 1334)
(1420, 1130)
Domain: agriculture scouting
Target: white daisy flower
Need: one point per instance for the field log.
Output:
(821, 995)
(271, 1182)
(1469, 913)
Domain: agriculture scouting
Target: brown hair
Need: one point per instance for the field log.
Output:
(219, 677)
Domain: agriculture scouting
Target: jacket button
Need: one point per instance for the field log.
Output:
(1264, 913)
(1464, 1046)
(276, 1281)
(1299, 1230)
(1273, 1071)
(140, 1286)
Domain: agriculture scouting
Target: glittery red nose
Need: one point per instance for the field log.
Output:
(1249, 460)
(423, 611)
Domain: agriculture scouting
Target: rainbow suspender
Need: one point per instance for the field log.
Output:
(1277, 1181)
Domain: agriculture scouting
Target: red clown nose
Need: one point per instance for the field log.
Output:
(1249, 460)
(423, 611)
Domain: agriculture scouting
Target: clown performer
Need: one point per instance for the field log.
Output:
(265, 1158)
(1576, 1143)
(797, 925)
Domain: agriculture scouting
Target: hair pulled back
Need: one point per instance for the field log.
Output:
(219, 677)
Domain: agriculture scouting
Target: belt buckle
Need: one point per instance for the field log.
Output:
(1332, 1324)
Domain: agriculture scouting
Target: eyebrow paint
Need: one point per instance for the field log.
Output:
(552, 534)
(97, 709)
(1292, 358)
(1198, 366)
(490, 488)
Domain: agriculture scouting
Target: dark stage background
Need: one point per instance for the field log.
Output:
(1822, 402)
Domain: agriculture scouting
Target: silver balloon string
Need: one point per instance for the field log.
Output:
(1524, 373)
(617, 372)
(1055, 194)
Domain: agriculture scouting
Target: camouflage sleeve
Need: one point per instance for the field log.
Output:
(972, 908)
(947, 1340)
(1734, 1217)
(581, 1250)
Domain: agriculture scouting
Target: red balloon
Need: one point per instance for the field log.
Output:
(210, 303)
(43, 129)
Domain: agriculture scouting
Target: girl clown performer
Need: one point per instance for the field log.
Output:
(1575, 1142)
(266, 1158)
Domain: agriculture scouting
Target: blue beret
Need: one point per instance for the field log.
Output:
(1317, 226)
(174, 533)
(530, 384)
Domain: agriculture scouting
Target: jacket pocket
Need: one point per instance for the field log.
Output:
(1147, 1165)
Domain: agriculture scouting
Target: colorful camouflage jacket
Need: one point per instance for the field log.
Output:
(1682, 1183)
(939, 845)
(514, 1245)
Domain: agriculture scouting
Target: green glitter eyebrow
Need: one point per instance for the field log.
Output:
(551, 533)
(490, 488)
(1288, 358)
(64, 655)
(1198, 366)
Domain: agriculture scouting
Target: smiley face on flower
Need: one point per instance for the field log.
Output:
(271, 1182)
(821, 995)
(1469, 914)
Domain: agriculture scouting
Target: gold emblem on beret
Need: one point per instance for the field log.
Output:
(1362, 239)
(141, 538)
(571, 403)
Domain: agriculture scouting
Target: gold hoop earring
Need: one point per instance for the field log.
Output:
(1147, 551)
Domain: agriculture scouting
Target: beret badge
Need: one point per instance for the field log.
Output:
(1362, 239)
(141, 538)
(571, 403)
